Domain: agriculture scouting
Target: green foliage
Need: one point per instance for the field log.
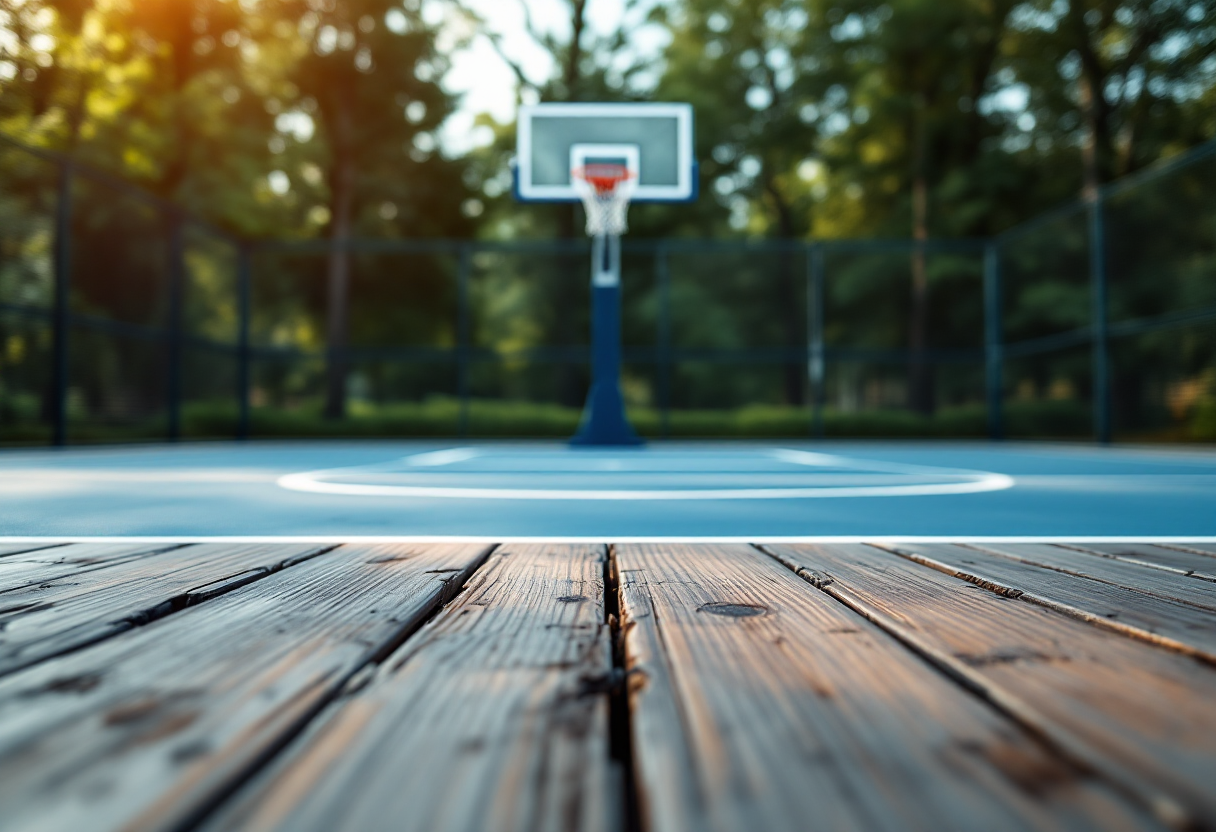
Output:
(440, 416)
(816, 119)
(1203, 422)
(239, 110)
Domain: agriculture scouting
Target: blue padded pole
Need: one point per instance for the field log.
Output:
(604, 421)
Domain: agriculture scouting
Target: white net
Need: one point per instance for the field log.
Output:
(605, 191)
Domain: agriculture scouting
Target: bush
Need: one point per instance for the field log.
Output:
(440, 417)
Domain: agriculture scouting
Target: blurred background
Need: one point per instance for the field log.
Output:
(942, 218)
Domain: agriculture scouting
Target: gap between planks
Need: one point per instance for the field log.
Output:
(1164, 622)
(55, 564)
(1112, 571)
(42, 621)
(7, 549)
(1170, 559)
(153, 729)
(366, 677)
(1116, 706)
(499, 705)
(761, 703)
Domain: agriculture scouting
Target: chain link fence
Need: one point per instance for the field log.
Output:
(123, 318)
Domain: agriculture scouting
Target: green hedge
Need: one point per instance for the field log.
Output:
(440, 418)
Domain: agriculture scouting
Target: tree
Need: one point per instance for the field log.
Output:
(749, 70)
(45, 72)
(1118, 78)
(371, 74)
(585, 65)
(211, 104)
(919, 71)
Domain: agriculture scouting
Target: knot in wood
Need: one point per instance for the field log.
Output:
(732, 610)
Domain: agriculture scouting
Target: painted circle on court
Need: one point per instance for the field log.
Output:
(488, 473)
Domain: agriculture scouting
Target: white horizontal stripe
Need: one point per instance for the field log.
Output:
(439, 538)
(310, 482)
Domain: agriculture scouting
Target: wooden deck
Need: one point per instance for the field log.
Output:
(533, 687)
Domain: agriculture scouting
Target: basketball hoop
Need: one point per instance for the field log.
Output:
(605, 190)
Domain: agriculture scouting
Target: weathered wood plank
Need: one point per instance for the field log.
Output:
(45, 620)
(146, 730)
(1108, 570)
(1145, 713)
(1160, 620)
(761, 703)
(56, 564)
(1208, 549)
(7, 549)
(1178, 561)
(491, 718)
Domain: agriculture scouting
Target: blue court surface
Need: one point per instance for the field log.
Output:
(547, 490)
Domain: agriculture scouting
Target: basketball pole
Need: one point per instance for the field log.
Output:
(604, 421)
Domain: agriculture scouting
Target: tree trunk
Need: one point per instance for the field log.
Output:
(1096, 155)
(75, 119)
(793, 372)
(920, 374)
(572, 380)
(342, 197)
(182, 67)
(1090, 179)
(573, 71)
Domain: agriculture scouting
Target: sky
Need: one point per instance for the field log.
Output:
(486, 83)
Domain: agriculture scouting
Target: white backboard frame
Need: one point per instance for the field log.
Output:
(685, 189)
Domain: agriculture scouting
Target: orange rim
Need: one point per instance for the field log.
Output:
(604, 178)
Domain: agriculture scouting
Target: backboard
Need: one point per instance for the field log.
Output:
(654, 141)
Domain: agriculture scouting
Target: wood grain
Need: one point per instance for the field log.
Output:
(45, 620)
(761, 703)
(1145, 713)
(493, 717)
(1208, 549)
(62, 562)
(1180, 561)
(145, 730)
(1135, 614)
(1132, 576)
(7, 549)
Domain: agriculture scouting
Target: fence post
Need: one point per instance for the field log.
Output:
(173, 391)
(663, 358)
(994, 351)
(244, 278)
(1098, 314)
(815, 357)
(62, 306)
(463, 269)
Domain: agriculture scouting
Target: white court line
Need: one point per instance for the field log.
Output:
(870, 538)
(446, 457)
(313, 482)
(308, 482)
(833, 461)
